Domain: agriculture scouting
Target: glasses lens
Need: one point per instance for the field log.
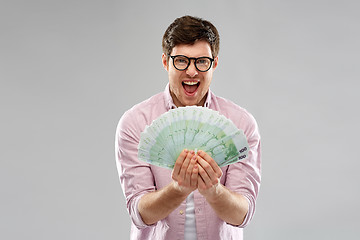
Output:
(181, 62)
(203, 64)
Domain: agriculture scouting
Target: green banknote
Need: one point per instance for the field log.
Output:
(194, 128)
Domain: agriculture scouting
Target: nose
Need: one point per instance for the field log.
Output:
(191, 70)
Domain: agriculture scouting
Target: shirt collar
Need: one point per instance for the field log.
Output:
(170, 103)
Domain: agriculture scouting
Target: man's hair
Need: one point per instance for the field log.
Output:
(188, 30)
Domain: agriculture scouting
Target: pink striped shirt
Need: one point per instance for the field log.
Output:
(138, 178)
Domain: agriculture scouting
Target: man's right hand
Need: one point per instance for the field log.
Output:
(185, 172)
(157, 205)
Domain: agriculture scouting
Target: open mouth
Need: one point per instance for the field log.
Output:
(190, 87)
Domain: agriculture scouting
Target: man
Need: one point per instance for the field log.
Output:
(197, 199)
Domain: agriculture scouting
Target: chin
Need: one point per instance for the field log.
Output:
(191, 103)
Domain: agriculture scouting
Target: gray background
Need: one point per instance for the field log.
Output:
(69, 70)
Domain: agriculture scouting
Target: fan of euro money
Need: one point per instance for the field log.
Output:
(193, 128)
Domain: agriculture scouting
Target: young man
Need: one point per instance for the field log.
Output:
(197, 199)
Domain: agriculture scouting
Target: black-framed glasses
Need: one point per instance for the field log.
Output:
(182, 62)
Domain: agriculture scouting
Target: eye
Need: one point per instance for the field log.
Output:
(181, 60)
(203, 61)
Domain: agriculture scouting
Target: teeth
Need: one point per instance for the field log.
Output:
(190, 83)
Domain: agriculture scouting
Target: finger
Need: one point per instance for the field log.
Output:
(200, 182)
(206, 181)
(207, 169)
(185, 165)
(191, 165)
(179, 162)
(189, 170)
(212, 162)
(194, 173)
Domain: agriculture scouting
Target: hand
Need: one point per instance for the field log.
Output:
(157, 205)
(209, 175)
(185, 172)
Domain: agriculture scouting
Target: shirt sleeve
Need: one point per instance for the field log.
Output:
(244, 177)
(135, 176)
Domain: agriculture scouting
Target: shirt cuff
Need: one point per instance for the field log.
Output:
(249, 214)
(135, 215)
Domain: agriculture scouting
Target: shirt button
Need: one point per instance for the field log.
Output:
(181, 212)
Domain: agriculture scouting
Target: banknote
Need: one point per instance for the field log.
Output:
(193, 128)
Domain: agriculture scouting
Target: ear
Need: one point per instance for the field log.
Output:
(165, 61)
(215, 63)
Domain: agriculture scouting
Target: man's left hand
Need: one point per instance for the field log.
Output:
(229, 206)
(209, 175)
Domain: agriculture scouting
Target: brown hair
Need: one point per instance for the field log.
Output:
(188, 30)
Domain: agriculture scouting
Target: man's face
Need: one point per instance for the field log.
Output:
(189, 87)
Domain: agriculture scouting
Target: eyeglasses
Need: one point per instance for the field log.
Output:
(182, 62)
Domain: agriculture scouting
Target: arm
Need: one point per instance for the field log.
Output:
(157, 205)
(146, 202)
(229, 206)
